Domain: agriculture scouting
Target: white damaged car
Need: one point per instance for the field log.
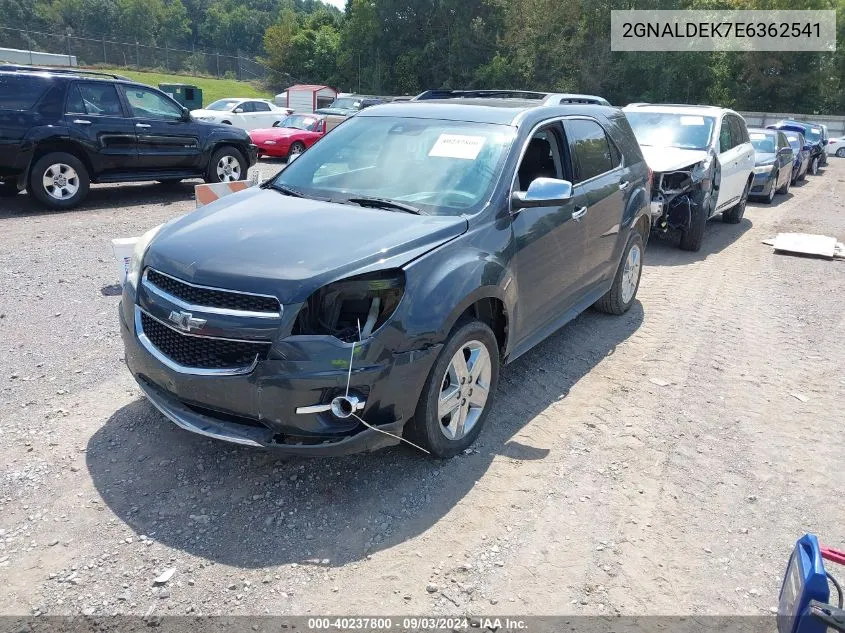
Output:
(702, 161)
(247, 114)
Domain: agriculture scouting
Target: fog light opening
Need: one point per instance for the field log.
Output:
(344, 406)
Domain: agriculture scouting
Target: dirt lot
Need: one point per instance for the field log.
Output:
(663, 462)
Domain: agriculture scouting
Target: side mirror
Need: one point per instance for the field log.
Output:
(543, 192)
(785, 151)
(276, 123)
(238, 110)
(808, 148)
(186, 115)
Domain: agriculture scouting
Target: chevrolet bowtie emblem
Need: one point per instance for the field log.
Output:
(185, 321)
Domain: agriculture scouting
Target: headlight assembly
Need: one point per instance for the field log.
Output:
(353, 307)
(133, 275)
(763, 169)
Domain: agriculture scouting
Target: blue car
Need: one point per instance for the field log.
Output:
(813, 137)
(800, 155)
(772, 164)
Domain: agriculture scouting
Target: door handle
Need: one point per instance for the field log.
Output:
(82, 122)
(143, 125)
(579, 213)
(624, 185)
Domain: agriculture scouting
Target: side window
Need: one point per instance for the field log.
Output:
(590, 148)
(149, 104)
(739, 132)
(725, 135)
(542, 158)
(615, 154)
(93, 99)
(246, 107)
(260, 106)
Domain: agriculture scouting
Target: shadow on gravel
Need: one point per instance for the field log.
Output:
(665, 250)
(252, 509)
(109, 198)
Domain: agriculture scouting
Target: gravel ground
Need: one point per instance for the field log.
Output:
(655, 463)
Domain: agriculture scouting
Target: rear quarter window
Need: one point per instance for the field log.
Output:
(21, 92)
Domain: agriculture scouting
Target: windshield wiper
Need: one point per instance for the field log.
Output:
(384, 203)
(288, 191)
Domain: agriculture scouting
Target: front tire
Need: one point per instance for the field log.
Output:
(296, 149)
(735, 214)
(459, 391)
(59, 180)
(814, 166)
(226, 165)
(840, 153)
(693, 236)
(623, 292)
(784, 188)
(770, 198)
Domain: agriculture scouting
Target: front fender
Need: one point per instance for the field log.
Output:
(442, 288)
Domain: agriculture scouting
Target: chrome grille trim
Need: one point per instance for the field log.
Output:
(147, 344)
(191, 307)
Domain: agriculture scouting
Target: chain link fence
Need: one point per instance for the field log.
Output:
(89, 51)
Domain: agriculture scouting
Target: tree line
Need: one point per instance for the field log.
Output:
(406, 46)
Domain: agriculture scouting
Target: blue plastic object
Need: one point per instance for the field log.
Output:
(805, 580)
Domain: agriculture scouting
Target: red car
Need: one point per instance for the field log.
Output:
(293, 135)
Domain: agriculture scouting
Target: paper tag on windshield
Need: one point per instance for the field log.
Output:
(692, 120)
(457, 146)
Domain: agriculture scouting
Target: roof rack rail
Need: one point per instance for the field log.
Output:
(564, 98)
(60, 70)
(445, 93)
(674, 105)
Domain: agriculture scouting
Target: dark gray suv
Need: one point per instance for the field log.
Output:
(373, 288)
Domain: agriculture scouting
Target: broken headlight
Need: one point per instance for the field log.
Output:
(703, 172)
(352, 309)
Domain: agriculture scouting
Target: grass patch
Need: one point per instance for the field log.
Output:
(212, 89)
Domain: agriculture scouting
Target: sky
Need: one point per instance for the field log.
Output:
(340, 4)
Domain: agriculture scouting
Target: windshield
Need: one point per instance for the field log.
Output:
(794, 141)
(763, 143)
(300, 122)
(346, 104)
(663, 129)
(223, 104)
(813, 134)
(440, 167)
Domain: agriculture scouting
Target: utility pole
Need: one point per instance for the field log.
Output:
(137, 55)
(104, 49)
(69, 55)
(218, 63)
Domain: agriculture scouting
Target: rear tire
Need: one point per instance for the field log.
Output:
(840, 153)
(623, 292)
(692, 237)
(59, 180)
(435, 419)
(227, 164)
(735, 214)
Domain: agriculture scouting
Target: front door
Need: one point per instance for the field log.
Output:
(549, 240)
(96, 118)
(605, 182)
(165, 141)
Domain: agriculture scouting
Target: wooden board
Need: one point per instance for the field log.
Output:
(806, 244)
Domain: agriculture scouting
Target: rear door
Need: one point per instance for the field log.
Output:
(745, 152)
(729, 155)
(96, 117)
(165, 141)
(604, 181)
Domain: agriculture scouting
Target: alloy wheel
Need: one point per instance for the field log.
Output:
(60, 181)
(772, 189)
(464, 390)
(841, 152)
(631, 273)
(228, 169)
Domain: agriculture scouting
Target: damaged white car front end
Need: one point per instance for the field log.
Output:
(681, 179)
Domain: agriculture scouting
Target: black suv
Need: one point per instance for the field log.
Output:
(373, 288)
(61, 130)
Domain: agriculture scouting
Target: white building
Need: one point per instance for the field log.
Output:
(305, 98)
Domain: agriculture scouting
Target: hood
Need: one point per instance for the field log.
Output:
(261, 241)
(335, 111)
(272, 133)
(663, 159)
(214, 113)
(764, 158)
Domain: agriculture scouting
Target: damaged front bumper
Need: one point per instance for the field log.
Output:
(283, 403)
(676, 195)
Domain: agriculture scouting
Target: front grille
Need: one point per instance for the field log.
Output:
(210, 298)
(200, 352)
